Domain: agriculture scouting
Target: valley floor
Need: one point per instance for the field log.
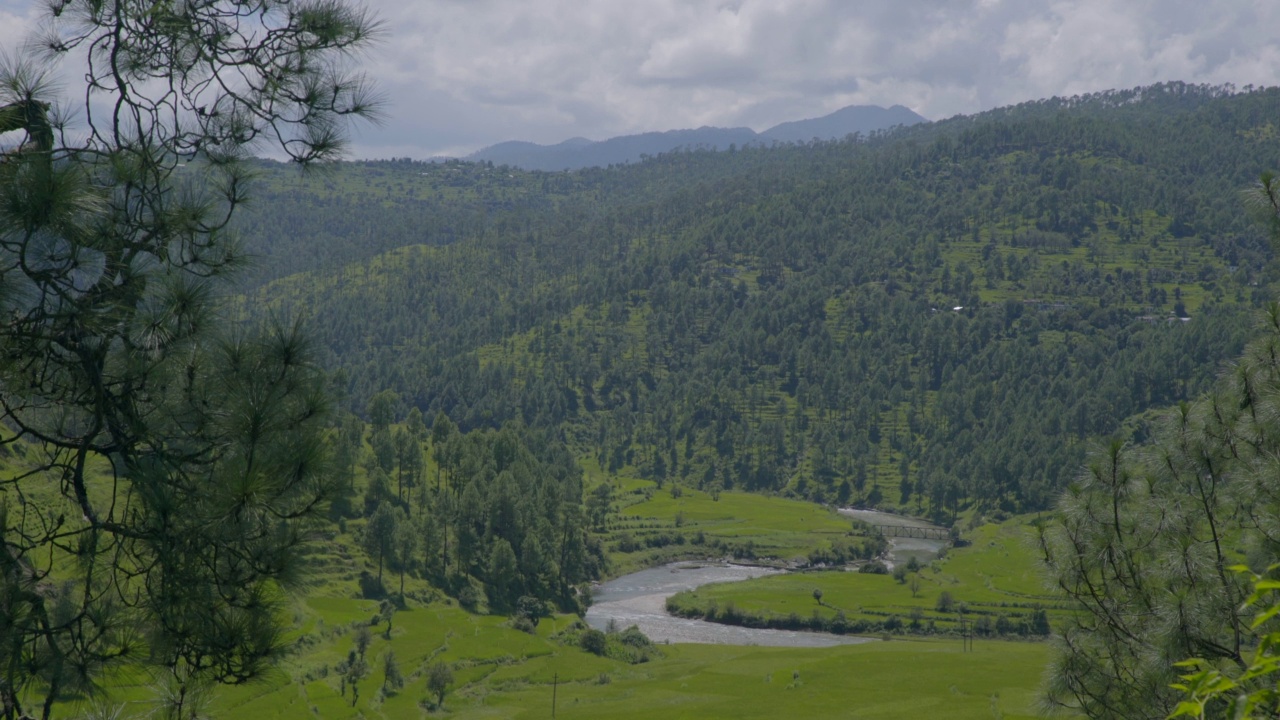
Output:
(504, 673)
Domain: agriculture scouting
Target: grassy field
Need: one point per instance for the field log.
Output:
(503, 673)
(995, 575)
(738, 524)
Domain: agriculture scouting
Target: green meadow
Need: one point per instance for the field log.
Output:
(995, 575)
(720, 524)
(501, 672)
(504, 673)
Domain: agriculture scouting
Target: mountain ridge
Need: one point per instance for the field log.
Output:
(577, 153)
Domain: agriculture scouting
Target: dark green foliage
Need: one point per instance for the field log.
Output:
(380, 532)
(532, 609)
(503, 576)
(1158, 526)
(511, 510)
(377, 492)
(350, 672)
(842, 551)
(406, 544)
(781, 319)
(386, 613)
(178, 461)
(347, 440)
(468, 596)
(1040, 622)
(593, 641)
(363, 637)
(633, 637)
(599, 503)
(631, 645)
(687, 606)
(393, 679)
(382, 410)
(439, 678)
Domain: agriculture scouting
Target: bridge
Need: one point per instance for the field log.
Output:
(906, 531)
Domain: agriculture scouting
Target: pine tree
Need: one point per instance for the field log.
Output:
(190, 452)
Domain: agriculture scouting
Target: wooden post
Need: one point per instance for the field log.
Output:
(555, 681)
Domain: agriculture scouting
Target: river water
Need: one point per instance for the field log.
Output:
(641, 598)
(901, 550)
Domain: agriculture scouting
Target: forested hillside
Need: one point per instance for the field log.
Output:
(938, 316)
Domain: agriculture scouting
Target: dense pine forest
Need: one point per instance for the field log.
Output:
(933, 318)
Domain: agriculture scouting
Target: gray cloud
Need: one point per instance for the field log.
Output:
(462, 74)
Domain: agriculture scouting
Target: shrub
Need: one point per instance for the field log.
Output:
(468, 597)
(524, 624)
(982, 626)
(838, 624)
(531, 609)
(370, 587)
(875, 567)
(593, 641)
(439, 678)
(916, 616)
(633, 637)
(1039, 622)
(1003, 626)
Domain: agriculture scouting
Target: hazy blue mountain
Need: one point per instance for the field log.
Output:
(532, 156)
(580, 153)
(845, 121)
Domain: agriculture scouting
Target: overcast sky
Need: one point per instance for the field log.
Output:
(463, 74)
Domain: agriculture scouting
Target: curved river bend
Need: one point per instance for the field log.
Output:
(641, 598)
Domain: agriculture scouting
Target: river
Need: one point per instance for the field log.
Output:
(640, 598)
(901, 550)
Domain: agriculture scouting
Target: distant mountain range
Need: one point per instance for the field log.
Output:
(580, 152)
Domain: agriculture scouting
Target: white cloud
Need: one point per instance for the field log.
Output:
(16, 21)
(467, 73)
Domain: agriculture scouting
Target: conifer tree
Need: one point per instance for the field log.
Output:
(1147, 537)
(187, 451)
